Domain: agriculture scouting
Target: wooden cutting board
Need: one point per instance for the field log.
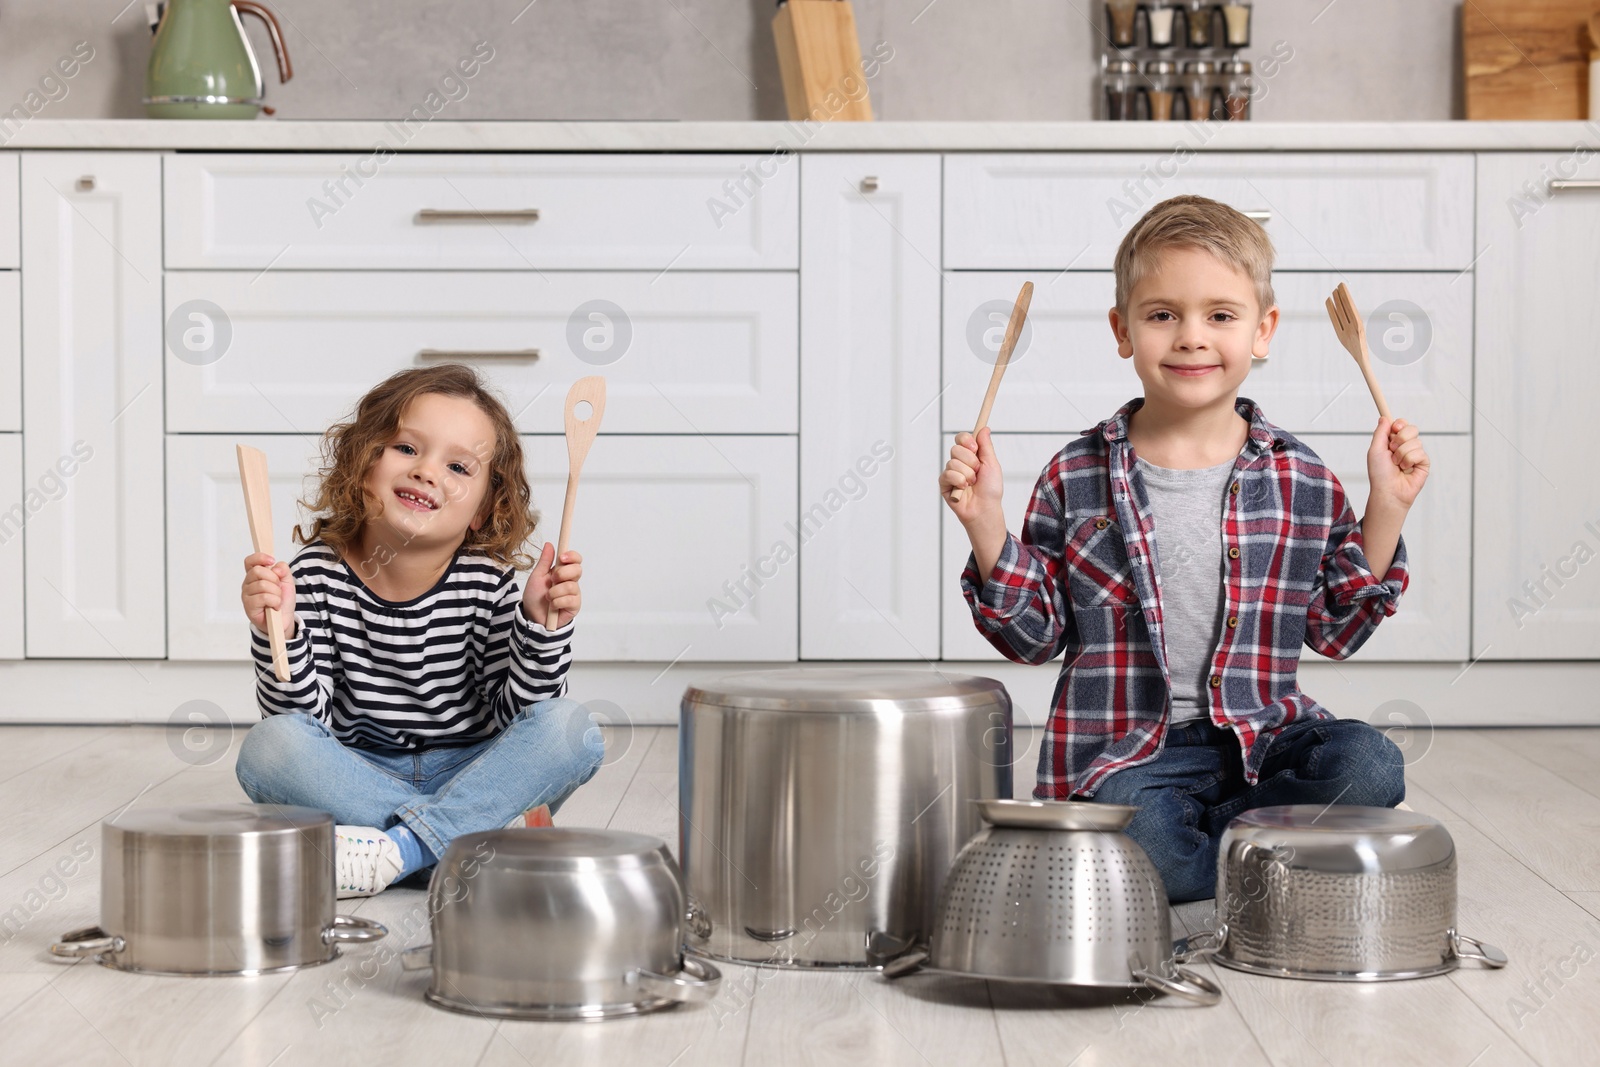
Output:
(1526, 59)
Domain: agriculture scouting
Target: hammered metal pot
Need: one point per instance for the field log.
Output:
(1338, 894)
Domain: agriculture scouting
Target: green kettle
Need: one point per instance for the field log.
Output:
(201, 66)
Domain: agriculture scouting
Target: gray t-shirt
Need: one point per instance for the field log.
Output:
(1187, 506)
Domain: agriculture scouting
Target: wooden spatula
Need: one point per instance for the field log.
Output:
(1352, 331)
(1019, 315)
(258, 507)
(580, 435)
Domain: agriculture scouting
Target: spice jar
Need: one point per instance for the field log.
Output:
(1197, 23)
(1117, 81)
(1237, 88)
(1200, 91)
(1120, 19)
(1161, 85)
(1236, 23)
(1158, 22)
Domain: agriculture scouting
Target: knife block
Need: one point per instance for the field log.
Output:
(819, 57)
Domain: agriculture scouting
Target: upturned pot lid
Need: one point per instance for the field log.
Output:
(214, 821)
(847, 690)
(554, 849)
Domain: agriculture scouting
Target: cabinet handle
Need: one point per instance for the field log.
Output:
(510, 355)
(869, 184)
(86, 184)
(1558, 184)
(1262, 217)
(525, 214)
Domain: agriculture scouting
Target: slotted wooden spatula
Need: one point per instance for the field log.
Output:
(580, 435)
(258, 507)
(1352, 331)
(1019, 315)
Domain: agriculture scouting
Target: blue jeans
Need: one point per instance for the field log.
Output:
(549, 749)
(1187, 795)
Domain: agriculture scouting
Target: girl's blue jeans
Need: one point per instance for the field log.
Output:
(549, 749)
(1189, 793)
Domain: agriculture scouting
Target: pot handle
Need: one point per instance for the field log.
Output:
(1201, 946)
(1483, 952)
(350, 930)
(1195, 988)
(419, 958)
(90, 941)
(909, 963)
(695, 983)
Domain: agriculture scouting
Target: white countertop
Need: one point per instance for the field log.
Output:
(444, 136)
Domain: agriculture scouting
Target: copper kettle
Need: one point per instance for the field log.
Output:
(201, 66)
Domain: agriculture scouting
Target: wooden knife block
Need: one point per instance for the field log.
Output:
(819, 57)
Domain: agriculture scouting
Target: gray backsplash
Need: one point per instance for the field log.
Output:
(714, 59)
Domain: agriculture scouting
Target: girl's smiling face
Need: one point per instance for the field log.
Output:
(1192, 325)
(432, 479)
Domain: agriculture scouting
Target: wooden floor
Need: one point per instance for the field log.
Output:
(1523, 806)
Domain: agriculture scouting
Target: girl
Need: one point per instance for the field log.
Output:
(425, 697)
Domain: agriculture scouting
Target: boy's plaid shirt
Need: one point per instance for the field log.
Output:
(1082, 579)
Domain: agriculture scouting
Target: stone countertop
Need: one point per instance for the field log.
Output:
(271, 135)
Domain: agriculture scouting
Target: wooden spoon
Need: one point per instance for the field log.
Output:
(258, 508)
(580, 435)
(1019, 315)
(1352, 331)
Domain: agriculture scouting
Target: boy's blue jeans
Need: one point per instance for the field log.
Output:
(549, 749)
(1188, 794)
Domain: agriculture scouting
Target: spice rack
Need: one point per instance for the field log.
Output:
(1176, 60)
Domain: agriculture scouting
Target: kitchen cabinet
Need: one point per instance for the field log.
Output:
(10, 351)
(91, 356)
(1536, 513)
(13, 519)
(10, 212)
(869, 300)
(1431, 623)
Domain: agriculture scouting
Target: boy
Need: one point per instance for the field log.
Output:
(1180, 552)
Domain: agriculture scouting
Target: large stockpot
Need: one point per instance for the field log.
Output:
(820, 809)
(1338, 893)
(558, 923)
(236, 889)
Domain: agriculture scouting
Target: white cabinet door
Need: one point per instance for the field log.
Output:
(1067, 375)
(1536, 505)
(503, 211)
(869, 300)
(10, 350)
(682, 352)
(689, 545)
(10, 212)
(210, 536)
(1432, 621)
(91, 354)
(13, 519)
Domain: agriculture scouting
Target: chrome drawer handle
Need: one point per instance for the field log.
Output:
(511, 355)
(1558, 184)
(1262, 217)
(525, 214)
(869, 184)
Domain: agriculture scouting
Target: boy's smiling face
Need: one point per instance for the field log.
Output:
(1192, 325)
(439, 453)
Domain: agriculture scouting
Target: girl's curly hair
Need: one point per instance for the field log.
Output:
(349, 450)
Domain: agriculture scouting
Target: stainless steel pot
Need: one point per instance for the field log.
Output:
(234, 889)
(819, 809)
(1055, 892)
(558, 923)
(1339, 893)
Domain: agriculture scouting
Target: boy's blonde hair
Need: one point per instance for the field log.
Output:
(349, 450)
(1195, 222)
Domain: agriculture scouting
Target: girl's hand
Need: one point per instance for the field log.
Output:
(974, 468)
(559, 585)
(1397, 464)
(267, 584)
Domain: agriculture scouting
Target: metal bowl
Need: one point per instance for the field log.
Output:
(559, 923)
(1339, 894)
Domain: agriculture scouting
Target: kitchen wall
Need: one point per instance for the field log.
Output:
(714, 59)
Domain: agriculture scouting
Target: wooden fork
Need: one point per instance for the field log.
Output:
(1352, 331)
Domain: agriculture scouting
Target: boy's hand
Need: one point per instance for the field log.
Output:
(973, 467)
(1397, 465)
(559, 584)
(267, 584)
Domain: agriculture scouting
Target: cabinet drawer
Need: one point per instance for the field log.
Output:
(665, 524)
(1432, 623)
(1038, 211)
(1069, 377)
(13, 517)
(682, 352)
(10, 350)
(312, 211)
(10, 210)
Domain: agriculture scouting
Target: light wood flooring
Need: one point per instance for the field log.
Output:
(1523, 806)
